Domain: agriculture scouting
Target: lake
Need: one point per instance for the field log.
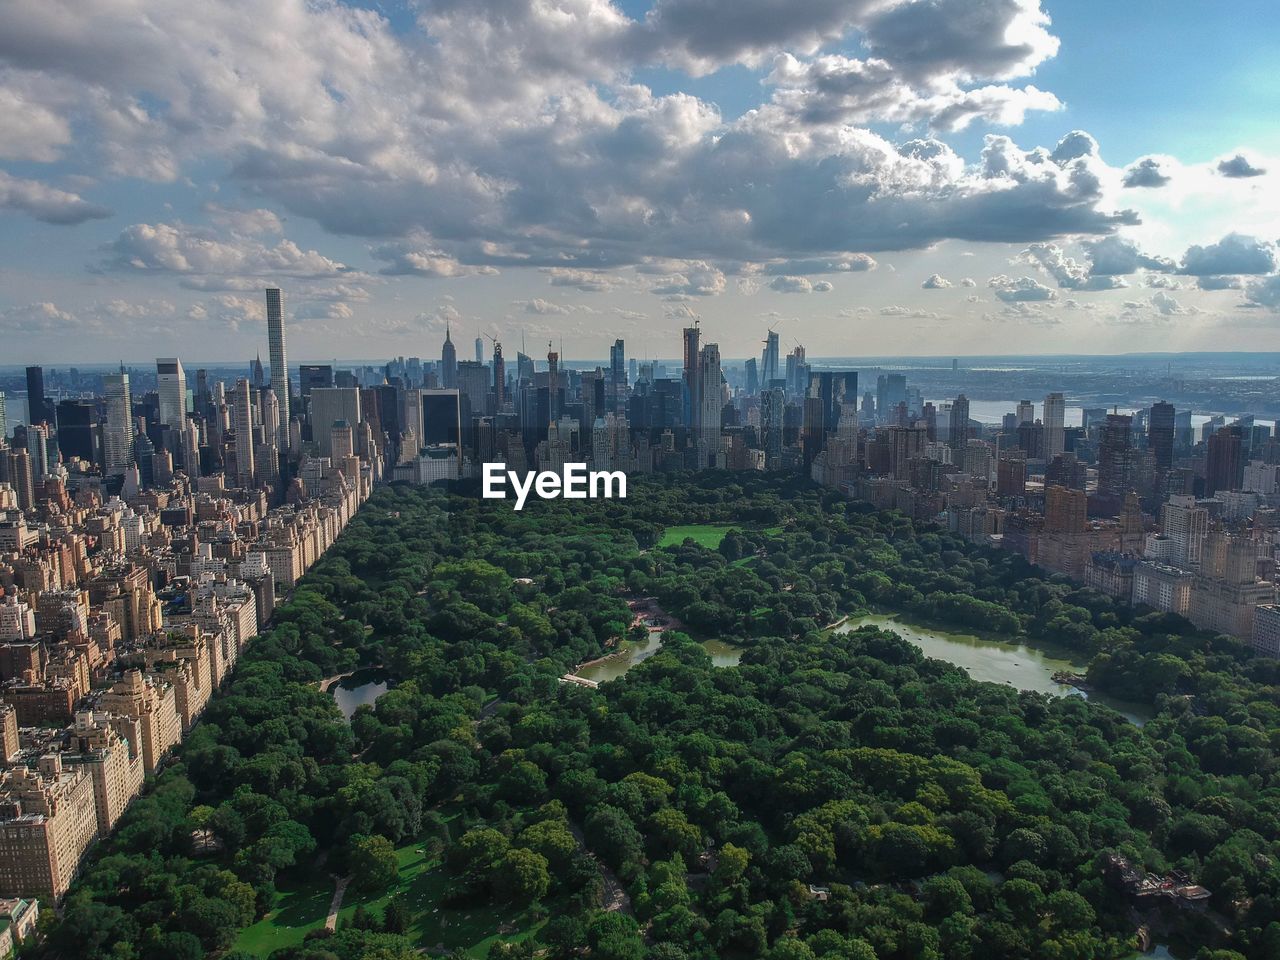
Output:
(998, 661)
(363, 686)
(632, 652)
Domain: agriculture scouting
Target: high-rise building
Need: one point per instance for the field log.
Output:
(769, 361)
(311, 375)
(479, 350)
(753, 377)
(1065, 510)
(279, 360)
(1115, 461)
(117, 435)
(1160, 433)
(499, 378)
(959, 424)
(1055, 411)
(78, 432)
(1224, 463)
(171, 386)
(1185, 525)
(242, 423)
(891, 390)
(328, 406)
(709, 380)
(448, 361)
(38, 409)
(692, 383)
(617, 377)
(1026, 411)
(17, 473)
(772, 413)
(4, 420)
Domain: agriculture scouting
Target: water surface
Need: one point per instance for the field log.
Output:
(363, 686)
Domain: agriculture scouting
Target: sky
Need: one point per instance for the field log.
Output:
(867, 177)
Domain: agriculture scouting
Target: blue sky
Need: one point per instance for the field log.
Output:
(584, 171)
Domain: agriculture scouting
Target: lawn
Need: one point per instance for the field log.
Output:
(425, 885)
(706, 535)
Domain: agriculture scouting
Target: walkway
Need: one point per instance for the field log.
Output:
(331, 921)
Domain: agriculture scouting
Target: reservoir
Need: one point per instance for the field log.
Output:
(363, 686)
(996, 661)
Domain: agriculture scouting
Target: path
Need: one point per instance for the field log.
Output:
(616, 898)
(331, 921)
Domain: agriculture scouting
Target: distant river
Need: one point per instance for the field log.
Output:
(997, 661)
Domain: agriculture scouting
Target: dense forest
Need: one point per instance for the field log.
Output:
(834, 796)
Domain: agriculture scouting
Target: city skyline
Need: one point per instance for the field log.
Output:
(975, 191)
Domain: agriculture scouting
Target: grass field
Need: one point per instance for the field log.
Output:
(425, 885)
(706, 535)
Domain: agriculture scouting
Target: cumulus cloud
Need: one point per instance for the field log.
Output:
(36, 318)
(1120, 256)
(1235, 253)
(848, 263)
(694, 279)
(1220, 283)
(46, 203)
(788, 284)
(1147, 172)
(1020, 289)
(1239, 167)
(416, 261)
(1069, 273)
(1264, 293)
(181, 249)
(588, 281)
(936, 282)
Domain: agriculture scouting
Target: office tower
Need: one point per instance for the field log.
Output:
(311, 375)
(117, 435)
(328, 406)
(1224, 464)
(958, 436)
(891, 390)
(753, 377)
(633, 369)
(555, 388)
(448, 361)
(17, 473)
(279, 360)
(772, 412)
(797, 373)
(1186, 525)
(269, 415)
(524, 366)
(242, 424)
(4, 422)
(171, 386)
(1055, 412)
(38, 410)
(1026, 412)
(38, 446)
(441, 417)
(1115, 460)
(1160, 433)
(709, 380)
(1011, 477)
(342, 442)
(618, 377)
(692, 371)
(255, 371)
(499, 378)
(78, 434)
(905, 444)
(479, 350)
(769, 361)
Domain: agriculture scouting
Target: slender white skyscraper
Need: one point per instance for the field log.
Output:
(710, 400)
(171, 385)
(117, 435)
(242, 423)
(1055, 412)
(279, 361)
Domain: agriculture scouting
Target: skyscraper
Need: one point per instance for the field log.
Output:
(328, 406)
(692, 383)
(37, 410)
(959, 435)
(1224, 464)
(279, 360)
(1026, 411)
(618, 376)
(4, 422)
(1055, 411)
(171, 385)
(117, 435)
(448, 362)
(753, 377)
(709, 378)
(1160, 431)
(242, 423)
(499, 378)
(479, 350)
(769, 361)
(1115, 460)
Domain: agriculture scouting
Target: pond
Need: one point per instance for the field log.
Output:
(632, 652)
(998, 661)
(363, 686)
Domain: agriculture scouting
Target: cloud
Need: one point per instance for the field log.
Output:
(1069, 274)
(31, 130)
(849, 263)
(181, 249)
(46, 203)
(1220, 283)
(1234, 254)
(1147, 172)
(1020, 289)
(245, 222)
(788, 284)
(1166, 304)
(1239, 167)
(412, 261)
(36, 318)
(968, 282)
(936, 282)
(1264, 293)
(1119, 256)
(697, 279)
(588, 281)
